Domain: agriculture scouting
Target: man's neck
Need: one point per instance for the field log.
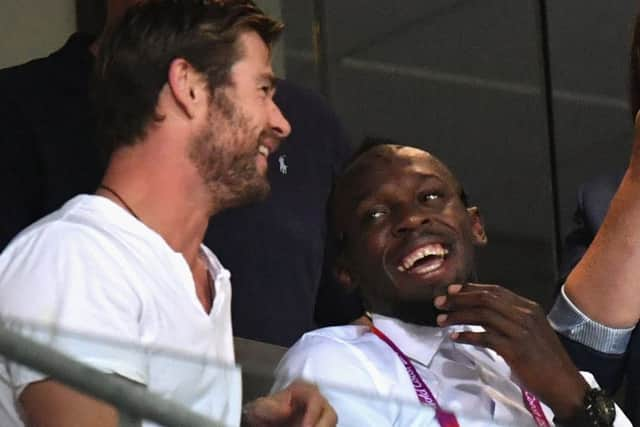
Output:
(164, 201)
(419, 313)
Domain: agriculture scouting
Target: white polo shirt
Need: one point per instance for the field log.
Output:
(94, 270)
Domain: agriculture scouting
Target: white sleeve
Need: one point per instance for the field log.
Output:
(345, 379)
(69, 288)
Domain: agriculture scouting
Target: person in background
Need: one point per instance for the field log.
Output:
(184, 97)
(609, 349)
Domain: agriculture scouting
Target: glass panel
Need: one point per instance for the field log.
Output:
(589, 49)
(192, 398)
(463, 80)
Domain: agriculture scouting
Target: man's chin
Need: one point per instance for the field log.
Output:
(252, 193)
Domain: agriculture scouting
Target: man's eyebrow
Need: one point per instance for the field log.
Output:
(269, 77)
(367, 195)
(426, 176)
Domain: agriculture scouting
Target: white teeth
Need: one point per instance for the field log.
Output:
(263, 150)
(425, 251)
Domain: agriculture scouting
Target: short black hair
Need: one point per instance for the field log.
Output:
(370, 142)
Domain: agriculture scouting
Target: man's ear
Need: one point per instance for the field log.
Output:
(477, 226)
(343, 274)
(188, 87)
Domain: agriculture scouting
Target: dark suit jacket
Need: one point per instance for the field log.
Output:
(594, 198)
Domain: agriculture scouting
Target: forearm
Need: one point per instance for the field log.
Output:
(51, 404)
(569, 321)
(604, 285)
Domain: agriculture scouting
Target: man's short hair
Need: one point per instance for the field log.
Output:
(134, 59)
(370, 142)
(367, 144)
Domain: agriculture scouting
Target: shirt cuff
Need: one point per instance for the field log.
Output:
(568, 320)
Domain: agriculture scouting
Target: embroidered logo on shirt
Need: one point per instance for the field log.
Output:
(283, 165)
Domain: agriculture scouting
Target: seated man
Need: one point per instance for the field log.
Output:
(475, 351)
(184, 95)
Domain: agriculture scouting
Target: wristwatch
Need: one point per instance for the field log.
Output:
(599, 410)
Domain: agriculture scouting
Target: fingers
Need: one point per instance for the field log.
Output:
(267, 410)
(300, 400)
(317, 411)
(498, 310)
(327, 418)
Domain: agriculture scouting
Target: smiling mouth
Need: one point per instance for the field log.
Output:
(425, 259)
(264, 150)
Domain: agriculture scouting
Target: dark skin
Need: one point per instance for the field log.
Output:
(395, 202)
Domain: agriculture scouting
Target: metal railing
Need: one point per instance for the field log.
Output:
(134, 402)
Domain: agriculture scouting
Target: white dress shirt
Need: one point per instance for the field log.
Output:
(367, 384)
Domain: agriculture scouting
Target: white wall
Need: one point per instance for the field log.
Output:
(33, 28)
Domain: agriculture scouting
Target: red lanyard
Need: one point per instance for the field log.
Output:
(445, 418)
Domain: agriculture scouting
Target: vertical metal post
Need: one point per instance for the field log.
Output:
(545, 68)
(321, 49)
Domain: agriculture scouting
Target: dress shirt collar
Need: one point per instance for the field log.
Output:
(418, 342)
(421, 343)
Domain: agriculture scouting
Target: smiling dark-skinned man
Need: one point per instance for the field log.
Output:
(464, 350)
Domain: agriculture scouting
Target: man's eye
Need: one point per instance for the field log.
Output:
(376, 213)
(427, 197)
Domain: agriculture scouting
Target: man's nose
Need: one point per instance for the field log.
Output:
(279, 124)
(410, 220)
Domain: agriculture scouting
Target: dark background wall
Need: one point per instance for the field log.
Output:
(464, 79)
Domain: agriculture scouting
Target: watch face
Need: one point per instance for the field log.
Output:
(606, 409)
(600, 408)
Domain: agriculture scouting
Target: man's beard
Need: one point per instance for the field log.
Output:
(231, 175)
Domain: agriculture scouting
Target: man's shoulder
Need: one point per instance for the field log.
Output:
(15, 78)
(42, 75)
(340, 358)
(22, 73)
(289, 95)
(603, 185)
(81, 231)
(344, 334)
(326, 347)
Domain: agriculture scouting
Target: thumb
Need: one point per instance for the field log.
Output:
(269, 409)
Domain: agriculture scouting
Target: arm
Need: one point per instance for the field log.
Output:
(516, 329)
(592, 346)
(300, 403)
(604, 285)
(50, 404)
(68, 284)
